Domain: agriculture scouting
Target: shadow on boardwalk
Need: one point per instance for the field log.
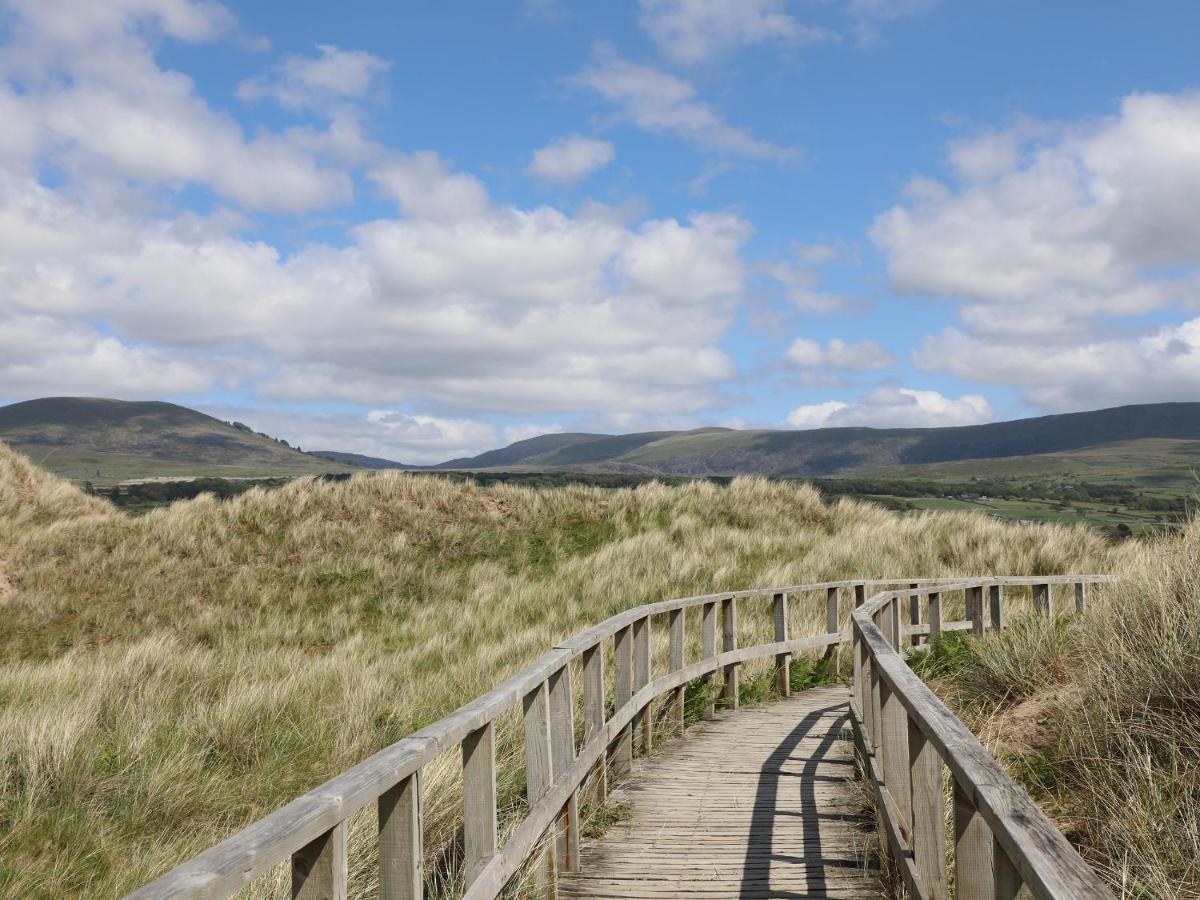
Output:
(758, 803)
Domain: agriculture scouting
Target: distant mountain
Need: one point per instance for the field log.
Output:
(357, 459)
(105, 441)
(838, 451)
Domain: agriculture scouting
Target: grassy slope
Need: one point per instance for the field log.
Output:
(1100, 718)
(1152, 462)
(1120, 443)
(105, 441)
(168, 678)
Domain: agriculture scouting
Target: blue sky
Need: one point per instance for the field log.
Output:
(419, 230)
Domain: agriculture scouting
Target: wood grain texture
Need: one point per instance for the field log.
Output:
(729, 641)
(319, 867)
(757, 803)
(401, 875)
(479, 799)
(783, 661)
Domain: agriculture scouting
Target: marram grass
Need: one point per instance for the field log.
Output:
(168, 679)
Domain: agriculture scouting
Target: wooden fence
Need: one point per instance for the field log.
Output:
(905, 734)
(311, 830)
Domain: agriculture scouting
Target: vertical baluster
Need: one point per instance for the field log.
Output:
(935, 617)
(593, 714)
(319, 867)
(675, 625)
(972, 850)
(876, 709)
(622, 691)
(976, 614)
(996, 601)
(928, 813)
(729, 690)
(891, 618)
(860, 595)
(914, 612)
(833, 626)
(562, 753)
(1080, 597)
(1042, 603)
(539, 774)
(643, 736)
(1005, 875)
(783, 661)
(479, 799)
(401, 876)
(895, 749)
(708, 649)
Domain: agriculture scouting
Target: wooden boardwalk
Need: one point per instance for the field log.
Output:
(759, 802)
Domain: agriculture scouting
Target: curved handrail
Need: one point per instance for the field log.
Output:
(905, 733)
(311, 829)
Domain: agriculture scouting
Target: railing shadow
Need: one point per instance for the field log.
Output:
(769, 807)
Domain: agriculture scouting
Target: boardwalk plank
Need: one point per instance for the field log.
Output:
(757, 803)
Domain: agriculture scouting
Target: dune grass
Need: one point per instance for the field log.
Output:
(165, 680)
(1099, 717)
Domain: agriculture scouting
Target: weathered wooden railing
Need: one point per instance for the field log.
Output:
(905, 734)
(311, 830)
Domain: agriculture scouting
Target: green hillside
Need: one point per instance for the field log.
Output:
(1046, 443)
(107, 441)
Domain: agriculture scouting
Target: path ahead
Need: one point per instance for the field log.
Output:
(757, 803)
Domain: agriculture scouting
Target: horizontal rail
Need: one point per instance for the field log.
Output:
(302, 830)
(905, 733)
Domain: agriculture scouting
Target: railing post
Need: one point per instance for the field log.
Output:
(1005, 875)
(1080, 597)
(479, 800)
(675, 625)
(1042, 603)
(973, 878)
(895, 740)
(928, 813)
(729, 689)
(976, 613)
(783, 661)
(539, 775)
(562, 753)
(935, 617)
(914, 612)
(622, 691)
(832, 626)
(876, 711)
(401, 876)
(593, 713)
(708, 649)
(891, 618)
(643, 737)
(860, 595)
(319, 867)
(996, 602)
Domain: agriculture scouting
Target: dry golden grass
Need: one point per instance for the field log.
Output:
(168, 679)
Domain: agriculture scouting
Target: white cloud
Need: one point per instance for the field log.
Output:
(889, 407)
(40, 355)
(1161, 365)
(814, 415)
(694, 31)
(1077, 225)
(1052, 239)
(661, 103)
(858, 356)
(568, 159)
(332, 76)
(453, 307)
(93, 96)
(425, 188)
(383, 433)
(801, 278)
